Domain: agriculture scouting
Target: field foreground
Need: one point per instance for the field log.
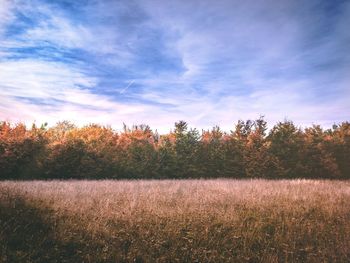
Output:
(175, 221)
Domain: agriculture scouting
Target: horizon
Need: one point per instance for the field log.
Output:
(165, 131)
(154, 62)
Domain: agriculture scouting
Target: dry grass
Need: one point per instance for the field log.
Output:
(175, 221)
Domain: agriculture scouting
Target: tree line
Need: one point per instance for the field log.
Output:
(249, 150)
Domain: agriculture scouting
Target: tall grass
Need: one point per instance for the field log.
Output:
(175, 221)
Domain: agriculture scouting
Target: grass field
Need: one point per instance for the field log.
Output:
(175, 221)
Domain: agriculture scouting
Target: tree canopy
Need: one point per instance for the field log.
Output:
(250, 150)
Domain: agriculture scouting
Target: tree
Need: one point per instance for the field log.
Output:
(66, 160)
(186, 149)
(140, 155)
(337, 142)
(212, 153)
(20, 151)
(258, 162)
(318, 162)
(286, 144)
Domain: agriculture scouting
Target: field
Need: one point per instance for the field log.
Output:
(175, 221)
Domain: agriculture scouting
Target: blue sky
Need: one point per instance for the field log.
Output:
(157, 62)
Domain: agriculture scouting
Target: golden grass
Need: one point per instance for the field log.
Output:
(175, 221)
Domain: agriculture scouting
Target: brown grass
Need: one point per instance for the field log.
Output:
(175, 221)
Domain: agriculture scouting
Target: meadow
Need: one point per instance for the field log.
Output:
(218, 220)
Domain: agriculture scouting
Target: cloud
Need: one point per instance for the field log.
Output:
(42, 91)
(204, 62)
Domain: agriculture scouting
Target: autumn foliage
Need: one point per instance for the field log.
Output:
(250, 150)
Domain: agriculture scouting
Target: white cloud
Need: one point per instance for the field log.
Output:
(241, 60)
(52, 27)
(43, 91)
(6, 15)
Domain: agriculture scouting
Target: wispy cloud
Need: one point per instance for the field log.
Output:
(157, 62)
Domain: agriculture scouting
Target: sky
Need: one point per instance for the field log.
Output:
(157, 62)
